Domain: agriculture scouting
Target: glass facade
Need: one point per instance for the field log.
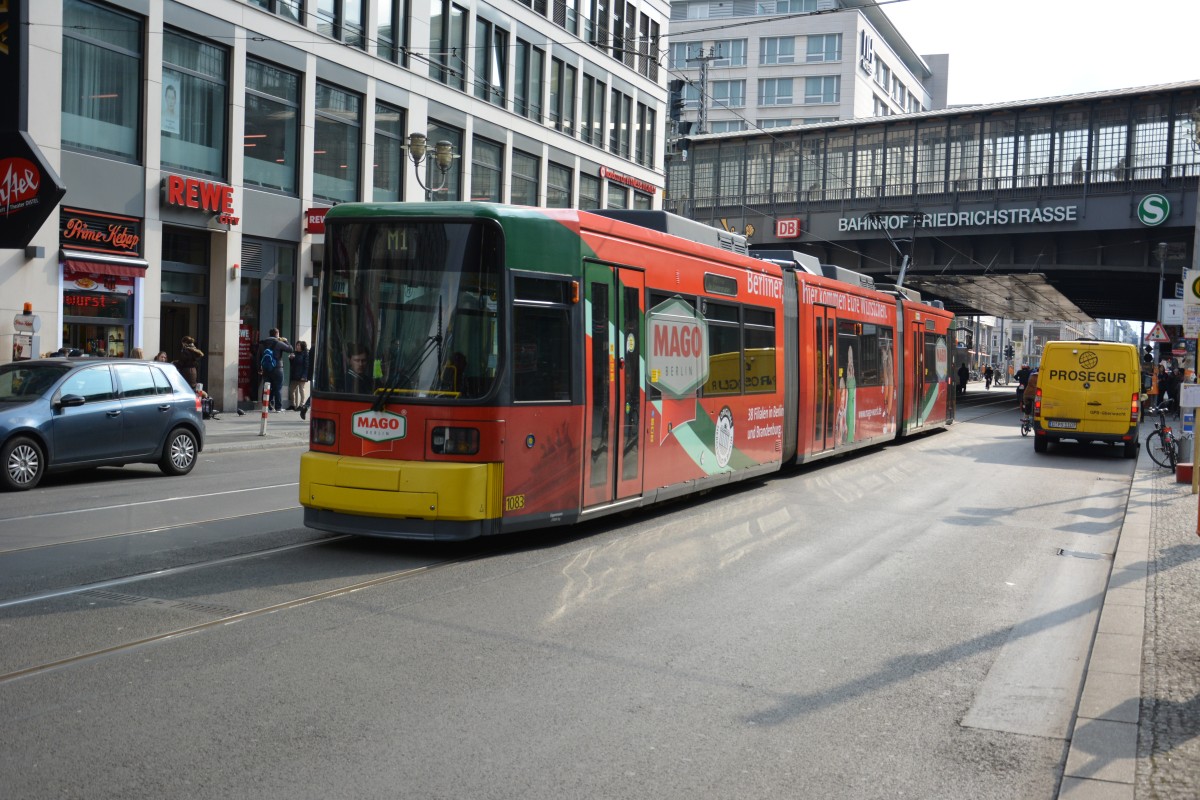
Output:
(336, 144)
(101, 81)
(272, 140)
(388, 168)
(195, 96)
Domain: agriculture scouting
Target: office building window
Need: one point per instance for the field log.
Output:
(391, 30)
(558, 186)
(822, 89)
(101, 80)
(683, 52)
(285, 8)
(775, 123)
(487, 171)
(563, 80)
(271, 141)
(491, 62)
(525, 175)
(729, 53)
(448, 43)
(775, 92)
(335, 144)
(644, 136)
(448, 186)
(592, 116)
(618, 124)
(826, 47)
(618, 196)
(388, 169)
(725, 126)
(195, 96)
(528, 79)
(777, 50)
(566, 15)
(729, 94)
(341, 20)
(642, 202)
(589, 191)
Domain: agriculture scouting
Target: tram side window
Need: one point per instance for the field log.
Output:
(931, 349)
(872, 358)
(849, 353)
(541, 354)
(759, 334)
(724, 349)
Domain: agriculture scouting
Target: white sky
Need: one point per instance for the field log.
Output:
(1002, 50)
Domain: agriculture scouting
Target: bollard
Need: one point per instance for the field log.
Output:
(266, 400)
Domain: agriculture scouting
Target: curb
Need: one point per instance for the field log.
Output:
(1102, 757)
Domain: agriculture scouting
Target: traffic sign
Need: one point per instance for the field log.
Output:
(1157, 334)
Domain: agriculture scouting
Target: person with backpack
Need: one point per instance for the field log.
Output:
(270, 366)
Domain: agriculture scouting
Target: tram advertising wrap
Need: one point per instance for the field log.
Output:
(482, 369)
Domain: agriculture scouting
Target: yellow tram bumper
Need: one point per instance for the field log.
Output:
(401, 489)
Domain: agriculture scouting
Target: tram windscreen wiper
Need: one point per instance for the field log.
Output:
(432, 345)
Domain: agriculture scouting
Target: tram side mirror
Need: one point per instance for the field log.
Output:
(70, 400)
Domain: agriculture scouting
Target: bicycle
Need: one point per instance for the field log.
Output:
(1162, 443)
(1026, 423)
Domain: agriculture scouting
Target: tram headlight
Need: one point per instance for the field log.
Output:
(455, 441)
(323, 431)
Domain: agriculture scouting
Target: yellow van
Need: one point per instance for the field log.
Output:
(1088, 391)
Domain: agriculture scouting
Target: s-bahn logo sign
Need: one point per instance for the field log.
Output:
(378, 426)
(678, 357)
(1154, 209)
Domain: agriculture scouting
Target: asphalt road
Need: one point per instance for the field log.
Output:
(913, 621)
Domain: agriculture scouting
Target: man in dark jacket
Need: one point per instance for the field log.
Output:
(278, 346)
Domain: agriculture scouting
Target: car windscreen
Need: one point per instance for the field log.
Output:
(20, 381)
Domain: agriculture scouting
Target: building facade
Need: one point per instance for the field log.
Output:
(749, 64)
(200, 140)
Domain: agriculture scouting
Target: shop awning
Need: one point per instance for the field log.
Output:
(99, 264)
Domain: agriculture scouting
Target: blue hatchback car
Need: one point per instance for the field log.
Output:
(58, 414)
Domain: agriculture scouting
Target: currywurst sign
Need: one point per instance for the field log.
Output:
(960, 219)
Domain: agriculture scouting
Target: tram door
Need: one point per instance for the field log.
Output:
(918, 375)
(614, 453)
(824, 379)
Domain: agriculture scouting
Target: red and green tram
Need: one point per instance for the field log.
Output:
(481, 369)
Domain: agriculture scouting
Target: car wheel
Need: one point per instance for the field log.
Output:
(24, 464)
(1040, 444)
(1131, 449)
(179, 455)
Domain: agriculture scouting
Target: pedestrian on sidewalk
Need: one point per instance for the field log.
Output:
(964, 375)
(270, 366)
(298, 389)
(188, 362)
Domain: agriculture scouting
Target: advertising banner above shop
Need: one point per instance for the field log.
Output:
(29, 189)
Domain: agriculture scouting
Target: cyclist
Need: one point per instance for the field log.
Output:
(988, 373)
(1030, 392)
(1022, 377)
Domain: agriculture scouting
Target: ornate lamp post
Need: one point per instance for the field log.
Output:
(443, 158)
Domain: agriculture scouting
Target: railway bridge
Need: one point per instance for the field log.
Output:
(1058, 208)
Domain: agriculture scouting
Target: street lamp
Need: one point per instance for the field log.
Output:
(443, 157)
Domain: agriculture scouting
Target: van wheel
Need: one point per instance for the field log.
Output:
(1040, 444)
(1131, 449)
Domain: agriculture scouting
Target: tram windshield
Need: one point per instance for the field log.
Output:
(410, 311)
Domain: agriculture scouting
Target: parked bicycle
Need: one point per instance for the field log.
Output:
(1162, 443)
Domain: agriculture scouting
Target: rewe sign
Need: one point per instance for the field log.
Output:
(378, 426)
(678, 354)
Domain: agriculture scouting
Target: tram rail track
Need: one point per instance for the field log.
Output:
(222, 619)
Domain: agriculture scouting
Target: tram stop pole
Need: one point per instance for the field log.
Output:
(266, 399)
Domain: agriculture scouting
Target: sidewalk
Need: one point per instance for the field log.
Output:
(230, 432)
(1137, 728)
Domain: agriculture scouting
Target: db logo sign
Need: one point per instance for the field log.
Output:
(787, 229)
(379, 426)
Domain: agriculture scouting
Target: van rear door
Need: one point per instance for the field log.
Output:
(1088, 388)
